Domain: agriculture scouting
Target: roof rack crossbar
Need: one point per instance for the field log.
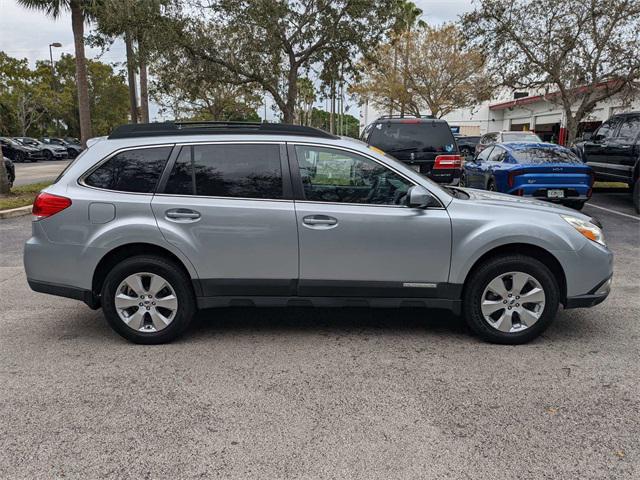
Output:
(217, 128)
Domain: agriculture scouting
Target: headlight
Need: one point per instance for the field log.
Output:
(586, 228)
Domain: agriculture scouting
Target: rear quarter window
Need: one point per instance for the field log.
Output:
(424, 136)
(137, 170)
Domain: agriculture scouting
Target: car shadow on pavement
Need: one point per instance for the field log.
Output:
(342, 320)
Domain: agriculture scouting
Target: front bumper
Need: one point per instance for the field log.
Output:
(596, 296)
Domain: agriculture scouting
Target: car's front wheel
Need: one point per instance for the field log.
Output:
(510, 299)
(148, 299)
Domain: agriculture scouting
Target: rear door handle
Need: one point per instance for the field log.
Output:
(182, 214)
(320, 221)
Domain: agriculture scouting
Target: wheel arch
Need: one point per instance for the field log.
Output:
(122, 252)
(533, 251)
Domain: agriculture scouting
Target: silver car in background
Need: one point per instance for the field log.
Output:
(159, 220)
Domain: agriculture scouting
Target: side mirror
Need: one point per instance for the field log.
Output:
(420, 197)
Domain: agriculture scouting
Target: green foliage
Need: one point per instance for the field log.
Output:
(320, 119)
(33, 103)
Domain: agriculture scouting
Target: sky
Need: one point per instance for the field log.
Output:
(27, 34)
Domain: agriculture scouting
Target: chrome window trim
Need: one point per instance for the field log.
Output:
(82, 178)
(357, 152)
(284, 200)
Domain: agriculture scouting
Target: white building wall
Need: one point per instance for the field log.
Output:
(482, 119)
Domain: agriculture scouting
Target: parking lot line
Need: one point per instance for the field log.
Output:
(612, 211)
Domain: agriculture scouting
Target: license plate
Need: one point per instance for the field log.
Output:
(415, 167)
(555, 193)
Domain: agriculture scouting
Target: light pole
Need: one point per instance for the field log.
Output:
(53, 78)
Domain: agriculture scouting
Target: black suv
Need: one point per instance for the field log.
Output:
(425, 144)
(613, 151)
(18, 152)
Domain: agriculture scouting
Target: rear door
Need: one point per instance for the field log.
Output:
(357, 237)
(228, 208)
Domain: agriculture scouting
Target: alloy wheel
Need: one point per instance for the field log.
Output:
(513, 302)
(146, 302)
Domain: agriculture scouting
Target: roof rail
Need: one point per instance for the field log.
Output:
(134, 130)
(388, 117)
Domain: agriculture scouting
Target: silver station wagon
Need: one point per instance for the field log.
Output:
(159, 220)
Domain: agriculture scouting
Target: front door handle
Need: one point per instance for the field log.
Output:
(182, 214)
(320, 221)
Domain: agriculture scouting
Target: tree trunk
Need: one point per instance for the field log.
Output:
(4, 179)
(571, 129)
(144, 92)
(332, 114)
(77, 24)
(131, 79)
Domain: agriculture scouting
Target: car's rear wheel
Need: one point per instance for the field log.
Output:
(48, 155)
(510, 299)
(636, 195)
(148, 299)
(491, 186)
(463, 179)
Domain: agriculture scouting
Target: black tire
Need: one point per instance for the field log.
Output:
(173, 274)
(19, 157)
(491, 186)
(489, 270)
(463, 179)
(48, 155)
(636, 195)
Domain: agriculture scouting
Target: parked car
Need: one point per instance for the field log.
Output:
(505, 136)
(467, 144)
(49, 152)
(425, 144)
(18, 152)
(545, 171)
(73, 150)
(170, 218)
(11, 170)
(613, 151)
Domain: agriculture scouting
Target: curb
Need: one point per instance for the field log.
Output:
(16, 212)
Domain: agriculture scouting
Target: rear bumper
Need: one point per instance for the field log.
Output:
(66, 291)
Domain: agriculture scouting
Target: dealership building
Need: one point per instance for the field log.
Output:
(518, 111)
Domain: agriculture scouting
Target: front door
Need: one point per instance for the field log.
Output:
(357, 236)
(224, 206)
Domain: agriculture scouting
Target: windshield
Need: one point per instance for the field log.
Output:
(540, 155)
(520, 137)
(396, 137)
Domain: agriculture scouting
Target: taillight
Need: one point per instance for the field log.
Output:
(447, 161)
(47, 204)
(512, 175)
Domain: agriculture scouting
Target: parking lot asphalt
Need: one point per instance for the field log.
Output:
(43, 171)
(303, 393)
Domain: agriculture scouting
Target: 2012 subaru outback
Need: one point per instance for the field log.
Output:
(159, 220)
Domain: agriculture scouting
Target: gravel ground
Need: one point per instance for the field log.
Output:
(331, 394)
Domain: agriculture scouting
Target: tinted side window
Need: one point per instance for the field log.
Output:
(330, 175)
(135, 171)
(629, 129)
(423, 136)
(227, 170)
(607, 129)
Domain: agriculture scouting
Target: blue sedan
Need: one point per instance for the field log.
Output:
(541, 170)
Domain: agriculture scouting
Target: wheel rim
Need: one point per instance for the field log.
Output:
(146, 302)
(513, 302)
(492, 187)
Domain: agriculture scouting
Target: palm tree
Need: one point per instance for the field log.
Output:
(79, 13)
